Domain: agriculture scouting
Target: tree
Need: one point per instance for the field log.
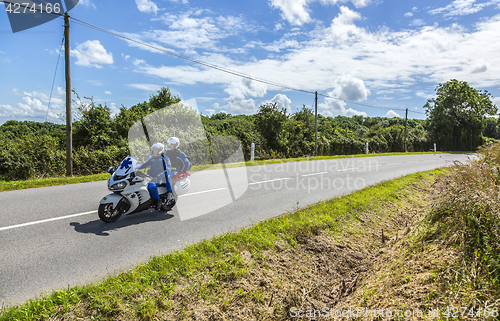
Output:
(127, 117)
(271, 123)
(456, 115)
(94, 127)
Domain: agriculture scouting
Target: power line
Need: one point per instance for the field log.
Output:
(209, 65)
(226, 70)
(54, 79)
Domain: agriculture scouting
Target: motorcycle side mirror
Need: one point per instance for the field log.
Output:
(111, 170)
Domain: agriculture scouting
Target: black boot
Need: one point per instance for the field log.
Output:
(157, 204)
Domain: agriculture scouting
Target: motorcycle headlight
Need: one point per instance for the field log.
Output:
(117, 186)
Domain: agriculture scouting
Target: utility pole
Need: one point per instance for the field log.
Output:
(406, 126)
(316, 127)
(69, 129)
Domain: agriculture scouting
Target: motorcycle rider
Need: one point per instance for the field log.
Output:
(160, 167)
(178, 158)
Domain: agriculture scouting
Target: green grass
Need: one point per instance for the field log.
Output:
(51, 181)
(146, 291)
(32, 183)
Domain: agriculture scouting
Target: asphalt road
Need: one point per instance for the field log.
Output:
(51, 237)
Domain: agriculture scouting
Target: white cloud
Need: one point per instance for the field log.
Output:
(296, 12)
(146, 87)
(480, 67)
(422, 94)
(92, 54)
(463, 7)
(334, 107)
(114, 110)
(350, 88)
(146, 6)
(137, 62)
(87, 3)
(391, 113)
(107, 92)
(417, 23)
(57, 97)
(126, 57)
(210, 111)
(342, 28)
(282, 101)
(7, 111)
(237, 91)
(409, 14)
(384, 59)
(246, 87)
(33, 108)
(190, 31)
(496, 101)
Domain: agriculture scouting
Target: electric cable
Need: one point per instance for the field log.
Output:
(209, 65)
(223, 69)
(54, 79)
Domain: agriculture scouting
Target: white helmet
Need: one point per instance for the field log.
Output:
(157, 148)
(174, 141)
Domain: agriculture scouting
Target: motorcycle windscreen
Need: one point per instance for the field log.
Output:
(126, 167)
(213, 185)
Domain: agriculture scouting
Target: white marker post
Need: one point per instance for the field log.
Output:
(252, 152)
(434, 147)
(366, 148)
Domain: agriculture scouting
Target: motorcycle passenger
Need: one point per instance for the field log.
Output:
(159, 165)
(178, 158)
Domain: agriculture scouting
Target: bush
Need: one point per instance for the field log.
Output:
(87, 161)
(31, 156)
(468, 216)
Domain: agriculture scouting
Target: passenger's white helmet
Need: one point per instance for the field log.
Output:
(173, 141)
(157, 148)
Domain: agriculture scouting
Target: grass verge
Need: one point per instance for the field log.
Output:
(52, 181)
(299, 260)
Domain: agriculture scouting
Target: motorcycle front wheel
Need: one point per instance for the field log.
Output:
(108, 214)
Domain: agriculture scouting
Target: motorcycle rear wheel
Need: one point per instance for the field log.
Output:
(167, 206)
(107, 214)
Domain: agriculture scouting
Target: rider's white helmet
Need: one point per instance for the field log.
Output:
(157, 148)
(174, 141)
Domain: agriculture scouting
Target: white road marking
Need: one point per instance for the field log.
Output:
(45, 221)
(394, 164)
(271, 180)
(210, 190)
(347, 169)
(411, 162)
(314, 174)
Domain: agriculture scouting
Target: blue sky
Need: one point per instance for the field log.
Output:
(381, 53)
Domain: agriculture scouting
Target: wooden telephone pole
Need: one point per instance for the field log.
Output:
(406, 126)
(316, 126)
(69, 129)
